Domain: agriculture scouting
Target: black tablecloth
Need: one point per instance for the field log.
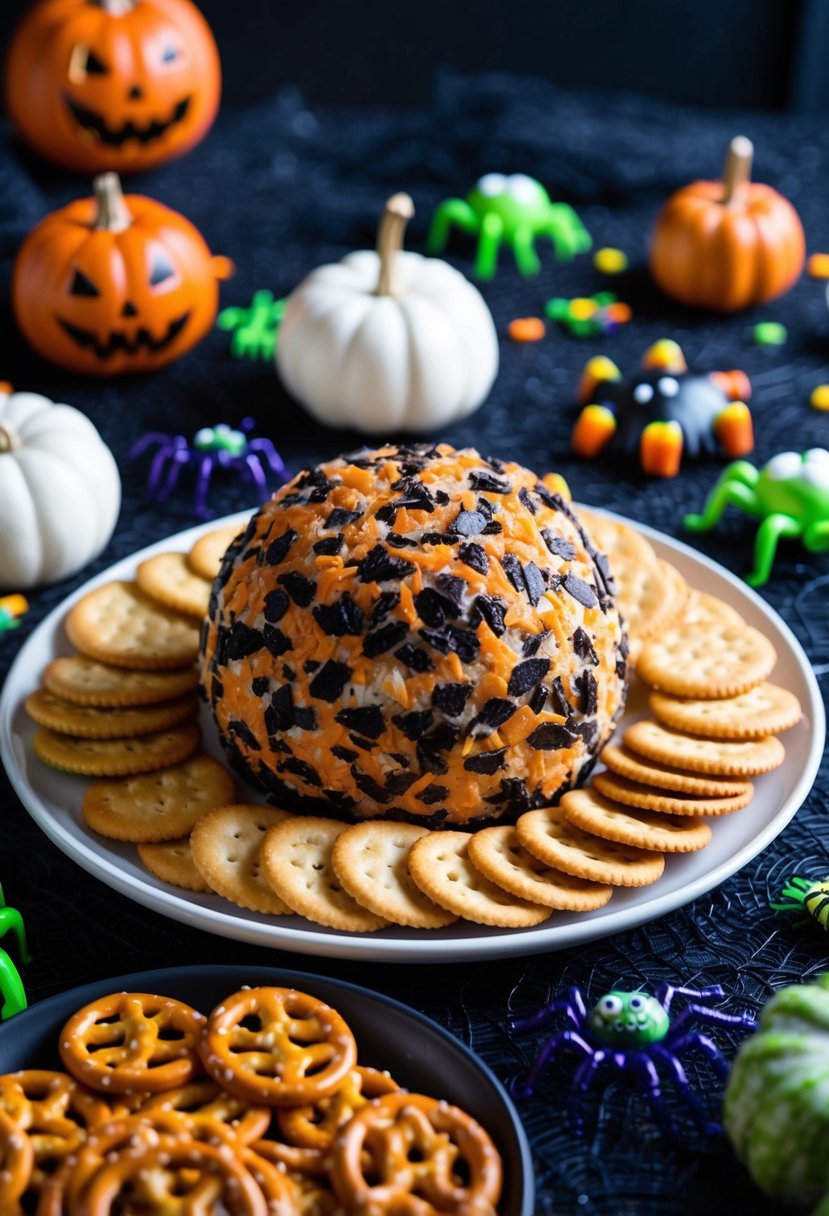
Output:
(281, 189)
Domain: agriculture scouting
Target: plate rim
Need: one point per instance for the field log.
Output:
(140, 981)
(488, 942)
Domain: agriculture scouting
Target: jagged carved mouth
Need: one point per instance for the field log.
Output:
(94, 123)
(118, 341)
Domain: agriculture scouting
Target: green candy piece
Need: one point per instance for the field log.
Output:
(770, 333)
(776, 1111)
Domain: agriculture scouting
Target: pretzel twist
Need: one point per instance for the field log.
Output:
(17, 1159)
(203, 1100)
(299, 1051)
(316, 1125)
(409, 1155)
(132, 1041)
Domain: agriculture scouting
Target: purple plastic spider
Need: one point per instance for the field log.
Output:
(632, 1032)
(212, 447)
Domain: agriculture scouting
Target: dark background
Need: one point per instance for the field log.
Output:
(286, 182)
(766, 53)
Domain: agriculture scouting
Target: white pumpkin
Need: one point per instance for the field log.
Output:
(59, 490)
(388, 341)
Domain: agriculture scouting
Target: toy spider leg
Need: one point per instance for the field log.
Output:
(565, 230)
(572, 1006)
(275, 461)
(707, 1126)
(206, 467)
(524, 1089)
(645, 1072)
(582, 1080)
(816, 537)
(11, 988)
(12, 922)
(665, 994)
(712, 1017)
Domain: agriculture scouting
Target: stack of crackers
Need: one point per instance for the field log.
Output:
(122, 710)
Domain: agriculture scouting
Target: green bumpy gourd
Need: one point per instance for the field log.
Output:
(777, 1099)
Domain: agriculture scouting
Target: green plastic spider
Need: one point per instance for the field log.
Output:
(790, 495)
(806, 895)
(516, 209)
(255, 329)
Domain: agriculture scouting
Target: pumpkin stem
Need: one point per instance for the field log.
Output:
(399, 210)
(737, 171)
(112, 212)
(115, 8)
(8, 439)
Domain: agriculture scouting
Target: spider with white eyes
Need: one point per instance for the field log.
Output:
(663, 412)
(790, 495)
(633, 1033)
(516, 209)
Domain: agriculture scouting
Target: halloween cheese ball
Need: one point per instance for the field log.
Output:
(414, 633)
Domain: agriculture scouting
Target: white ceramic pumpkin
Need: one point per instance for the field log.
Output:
(386, 341)
(60, 491)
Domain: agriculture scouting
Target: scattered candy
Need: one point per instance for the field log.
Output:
(11, 608)
(790, 495)
(587, 316)
(255, 329)
(663, 412)
(819, 399)
(632, 1032)
(818, 266)
(610, 261)
(770, 333)
(526, 329)
(516, 209)
(806, 895)
(219, 446)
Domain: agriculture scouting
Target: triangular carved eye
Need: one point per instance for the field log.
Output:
(82, 286)
(161, 269)
(94, 66)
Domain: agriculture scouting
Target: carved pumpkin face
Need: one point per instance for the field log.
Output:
(113, 84)
(111, 284)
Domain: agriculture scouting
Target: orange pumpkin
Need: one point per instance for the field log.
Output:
(112, 84)
(727, 245)
(111, 284)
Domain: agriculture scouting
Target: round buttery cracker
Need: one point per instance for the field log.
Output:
(85, 681)
(706, 660)
(205, 557)
(764, 710)
(548, 835)
(296, 861)
(227, 845)
(92, 722)
(370, 860)
(440, 865)
(741, 758)
(117, 623)
(168, 579)
(587, 809)
(158, 806)
(648, 772)
(704, 609)
(499, 855)
(631, 793)
(172, 862)
(642, 583)
(117, 757)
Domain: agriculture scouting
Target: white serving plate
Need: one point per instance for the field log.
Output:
(53, 800)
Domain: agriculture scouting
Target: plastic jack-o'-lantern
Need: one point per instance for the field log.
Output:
(115, 284)
(730, 244)
(113, 84)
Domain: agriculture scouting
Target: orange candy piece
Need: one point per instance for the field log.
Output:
(526, 329)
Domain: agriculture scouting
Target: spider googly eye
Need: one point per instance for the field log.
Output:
(816, 471)
(668, 386)
(204, 437)
(492, 184)
(783, 466)
(643, 393)
(637, 1002)
(610, 1006)
(522, 188)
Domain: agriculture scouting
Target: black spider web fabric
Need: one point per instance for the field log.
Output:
(282, 189)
